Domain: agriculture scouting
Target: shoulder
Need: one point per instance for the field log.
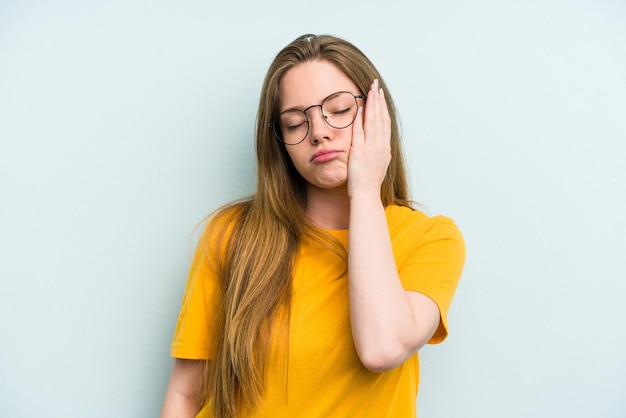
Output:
(220, 229)
(403, 220)
(418, 236)
(226, 218)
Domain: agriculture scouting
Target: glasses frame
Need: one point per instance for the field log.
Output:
(276, 126)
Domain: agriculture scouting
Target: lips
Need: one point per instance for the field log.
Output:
(324, 155)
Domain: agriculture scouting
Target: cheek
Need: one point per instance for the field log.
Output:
(295, 156)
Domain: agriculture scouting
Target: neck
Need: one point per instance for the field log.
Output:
(328, 208)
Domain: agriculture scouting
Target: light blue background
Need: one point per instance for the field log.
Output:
(123, 123)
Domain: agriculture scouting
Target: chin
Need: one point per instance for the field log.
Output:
(328, 178)
(329, 184)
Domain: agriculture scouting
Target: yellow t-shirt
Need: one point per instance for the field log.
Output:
(322, 375)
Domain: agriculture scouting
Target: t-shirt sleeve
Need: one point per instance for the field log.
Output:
(431, 263)
(194, 337)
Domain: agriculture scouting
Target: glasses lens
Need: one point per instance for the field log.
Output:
(293, 126)
(340, 110)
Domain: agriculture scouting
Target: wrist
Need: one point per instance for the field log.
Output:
(365, 197)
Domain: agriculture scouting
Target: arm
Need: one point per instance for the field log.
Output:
(183, 397)
(389, 324)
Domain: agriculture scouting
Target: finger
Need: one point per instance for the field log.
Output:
(386, 117)
(372, 108)
(358, 134)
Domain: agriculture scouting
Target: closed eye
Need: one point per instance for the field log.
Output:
(341, 112)
(293, 127)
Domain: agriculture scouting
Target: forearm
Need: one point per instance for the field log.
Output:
(177, 405)
(384, 325)
(182, 397)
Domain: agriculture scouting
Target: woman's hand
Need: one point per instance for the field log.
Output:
(370, 153)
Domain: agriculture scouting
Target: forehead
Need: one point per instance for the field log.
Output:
(310, 82)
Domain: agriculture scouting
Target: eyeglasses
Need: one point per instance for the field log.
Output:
(338, 110)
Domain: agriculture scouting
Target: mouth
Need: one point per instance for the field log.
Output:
(324, 155)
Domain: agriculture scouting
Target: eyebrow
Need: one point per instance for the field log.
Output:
(302, 107)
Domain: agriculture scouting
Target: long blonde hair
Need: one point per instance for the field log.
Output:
(254, 242)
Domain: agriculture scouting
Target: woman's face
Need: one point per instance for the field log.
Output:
(322, 158)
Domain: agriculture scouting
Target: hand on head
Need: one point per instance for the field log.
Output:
(370, 153)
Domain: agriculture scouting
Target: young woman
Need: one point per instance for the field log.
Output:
(312, 297)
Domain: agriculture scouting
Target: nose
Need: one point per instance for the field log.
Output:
(319, 130)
